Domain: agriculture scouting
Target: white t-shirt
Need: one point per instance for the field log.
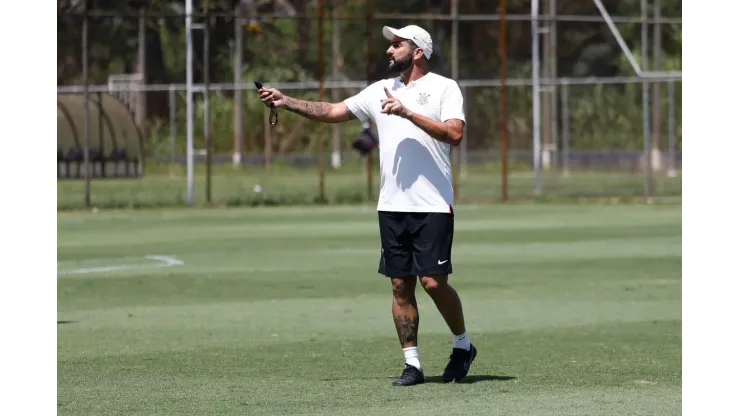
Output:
(415, 169)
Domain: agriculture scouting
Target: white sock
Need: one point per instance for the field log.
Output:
(461, 341)
(412, 356)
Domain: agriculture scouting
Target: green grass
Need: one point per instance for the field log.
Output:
(291, 186)
(575, 310)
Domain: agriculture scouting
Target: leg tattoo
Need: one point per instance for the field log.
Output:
(405, 311)
(407, 328)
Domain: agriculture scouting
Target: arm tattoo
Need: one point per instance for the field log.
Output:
(407, 328)
(310, 109)
(318, 111)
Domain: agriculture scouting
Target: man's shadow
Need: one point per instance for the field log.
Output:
(470, 379)
(408, 172)
(431, 379)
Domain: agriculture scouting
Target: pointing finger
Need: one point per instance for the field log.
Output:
(387, 93)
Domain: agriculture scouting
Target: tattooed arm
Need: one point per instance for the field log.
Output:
(312, 110)
(319, 111)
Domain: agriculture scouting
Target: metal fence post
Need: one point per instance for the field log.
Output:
(647, 138)
(455, 64)
(189, 102)
(236, 157)
(503, 120)
(173, 128)
(536, 122)
(369, 17)
(565, 123)
(320, 58)
(206, 101)
(656, 153)
(86, 101)
(553, 75)
(671, 130)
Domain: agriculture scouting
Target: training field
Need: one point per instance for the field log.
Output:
(575, 310)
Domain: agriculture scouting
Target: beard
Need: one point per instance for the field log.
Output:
(401, 65)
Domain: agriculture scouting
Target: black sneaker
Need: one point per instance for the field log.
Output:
(459, 364)
(410, 376)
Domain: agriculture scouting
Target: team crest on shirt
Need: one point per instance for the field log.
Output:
(423, 98)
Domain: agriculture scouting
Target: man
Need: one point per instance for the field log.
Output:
(419, 115)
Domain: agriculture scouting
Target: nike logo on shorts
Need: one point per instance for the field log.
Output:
(442, 262)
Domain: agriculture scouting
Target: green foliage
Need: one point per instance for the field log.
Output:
(603, 116)
(291, 134)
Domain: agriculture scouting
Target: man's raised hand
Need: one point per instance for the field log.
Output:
(391, 105)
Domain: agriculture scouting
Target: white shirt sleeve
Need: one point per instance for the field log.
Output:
(452, 103)
(359, 104)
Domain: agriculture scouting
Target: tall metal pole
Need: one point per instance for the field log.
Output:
(99, 105)
(671, 130)
(455, 75)
(369, 71)
(173, 127)
(238, 93)
(86, 103)
(566, 128)
(553, 74)
(657, 51)
(206, 99)
(503, 121)
(337, 60)
(322, 194)
(647, 142)
(141, 104)
(536, 123)
(547, 116)
(189, 97)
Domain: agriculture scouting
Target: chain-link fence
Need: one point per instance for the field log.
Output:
(592, 135)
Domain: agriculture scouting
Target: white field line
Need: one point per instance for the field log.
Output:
(162, 261)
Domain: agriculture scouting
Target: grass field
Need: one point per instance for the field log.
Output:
(575, 310)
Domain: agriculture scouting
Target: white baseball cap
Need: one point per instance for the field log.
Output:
(411, 32)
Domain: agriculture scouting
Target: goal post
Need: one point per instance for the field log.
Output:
(640, 69)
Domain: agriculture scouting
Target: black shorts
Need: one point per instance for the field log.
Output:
(415, 243)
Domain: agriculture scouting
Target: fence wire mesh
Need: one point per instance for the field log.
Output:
(592, 118)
